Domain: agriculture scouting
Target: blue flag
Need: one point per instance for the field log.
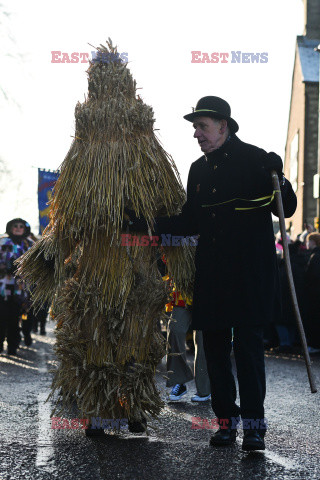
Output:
(46, 182)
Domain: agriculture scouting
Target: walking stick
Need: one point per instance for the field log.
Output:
(276, 187)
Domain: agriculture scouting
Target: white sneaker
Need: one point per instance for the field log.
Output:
(198, 398)
(177, 392)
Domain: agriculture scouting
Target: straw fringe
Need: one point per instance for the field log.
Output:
(108, 299)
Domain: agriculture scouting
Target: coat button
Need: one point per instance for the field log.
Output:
(214, 190)
(216, 166)
(213, 215)
(225, 154)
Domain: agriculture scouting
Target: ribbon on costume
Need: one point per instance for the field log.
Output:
(261, 199)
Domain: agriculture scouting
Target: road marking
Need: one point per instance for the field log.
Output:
(283, 461)
(45, 449)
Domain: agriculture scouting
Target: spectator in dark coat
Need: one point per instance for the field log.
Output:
(312, 321)
(13, 297)
(286, 323)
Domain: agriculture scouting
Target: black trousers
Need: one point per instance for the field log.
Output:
(26, 325)
(249, 357)
(9, 323)
(40, 317)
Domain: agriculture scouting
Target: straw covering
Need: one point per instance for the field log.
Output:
(108, 298)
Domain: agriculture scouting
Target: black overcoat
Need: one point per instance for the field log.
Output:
(298, 260)
(237, 279)
(312, 320)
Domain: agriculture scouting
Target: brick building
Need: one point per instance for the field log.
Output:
(301, 156)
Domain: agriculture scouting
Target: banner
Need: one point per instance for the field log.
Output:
(46, 182)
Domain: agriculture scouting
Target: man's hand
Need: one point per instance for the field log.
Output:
(272, 161)
(135, 224)
(129, 216)
(126, 219)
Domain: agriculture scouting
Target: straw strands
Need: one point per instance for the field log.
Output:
(108, 298)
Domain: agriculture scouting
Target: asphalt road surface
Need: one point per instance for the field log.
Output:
(31, 449)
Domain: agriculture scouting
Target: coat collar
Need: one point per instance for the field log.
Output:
(225, 148)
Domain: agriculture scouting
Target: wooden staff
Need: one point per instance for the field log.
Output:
(276, 187)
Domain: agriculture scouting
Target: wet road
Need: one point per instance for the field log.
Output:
(31, 449)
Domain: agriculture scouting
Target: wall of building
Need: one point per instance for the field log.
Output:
(297, 125)
(311, 150)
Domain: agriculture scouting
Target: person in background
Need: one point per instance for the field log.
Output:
(312, 321)
(13, 297)
(279, 244)
(37, 318)
(179, 372)
(286, 323)
(307, 228)
(34, 319)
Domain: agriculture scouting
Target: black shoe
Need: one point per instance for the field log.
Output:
(1, 347)
(224, 436)
(42, 331)
(135, 426)
(27, 339)
(94, 432)
(252, 440)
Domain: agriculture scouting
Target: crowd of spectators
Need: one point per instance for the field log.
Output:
(305, 263)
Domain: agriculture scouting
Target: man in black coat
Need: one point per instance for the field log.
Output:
(230, 194)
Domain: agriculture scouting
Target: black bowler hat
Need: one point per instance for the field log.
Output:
(214, 107)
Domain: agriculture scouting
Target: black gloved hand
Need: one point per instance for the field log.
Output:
(126, 219)
(129, 216)
(272, 161)
(135, 223)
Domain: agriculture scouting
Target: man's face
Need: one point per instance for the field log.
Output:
(209, 133)
(17, 228)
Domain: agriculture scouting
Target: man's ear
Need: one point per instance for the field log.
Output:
(223, 125)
